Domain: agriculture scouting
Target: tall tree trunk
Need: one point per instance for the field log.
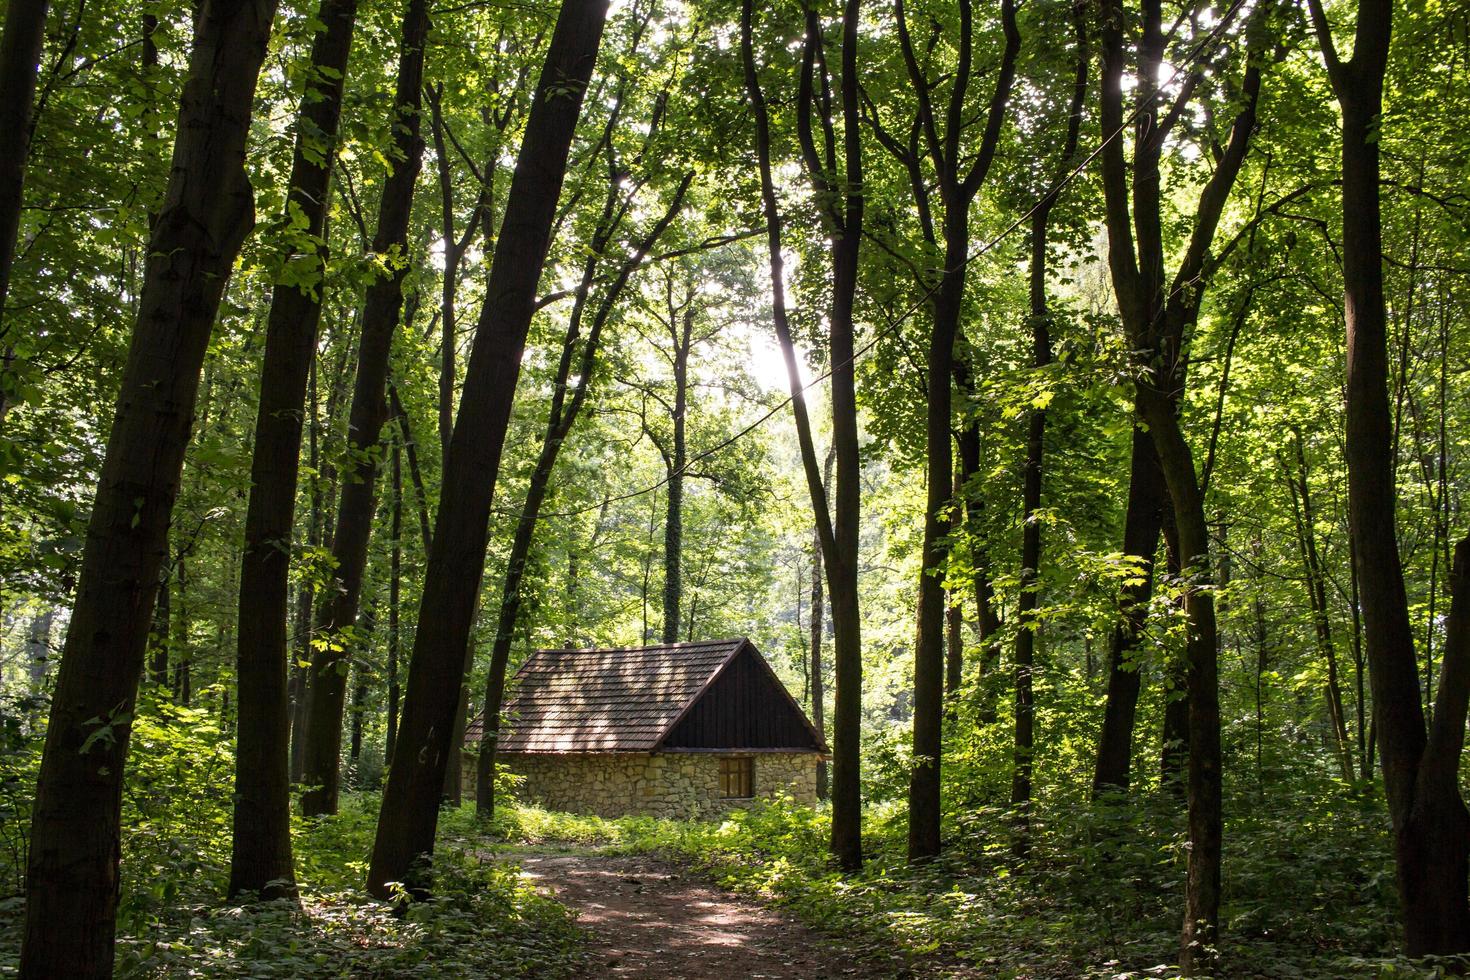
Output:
(1174, 739)
(305, 591)
(837, 529)
(1158, 316)
(159, 634)
(1041, 356)
(1420, 767)
(818, 685)
(1305, 515)
(180, 642)
(568, 398)
(676, 460)
(327, 682)
(958, 183)
(260, 859)
(20, 52)
(395, 577)
(1025, 655)
(72, 874)
(410, 810)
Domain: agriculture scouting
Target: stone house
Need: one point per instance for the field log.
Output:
(683, 730)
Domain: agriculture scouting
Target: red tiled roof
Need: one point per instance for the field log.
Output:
(618, 700)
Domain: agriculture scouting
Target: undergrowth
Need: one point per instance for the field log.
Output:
(1308, 892)
(173, 921)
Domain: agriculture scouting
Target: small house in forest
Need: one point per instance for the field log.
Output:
(683, 730)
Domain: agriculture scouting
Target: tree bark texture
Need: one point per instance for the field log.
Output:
(836, 528)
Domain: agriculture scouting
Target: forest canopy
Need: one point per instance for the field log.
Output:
(1069, 399)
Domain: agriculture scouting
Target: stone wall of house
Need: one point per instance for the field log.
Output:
(677, 785)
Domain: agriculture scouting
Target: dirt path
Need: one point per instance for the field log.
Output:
(651, 919)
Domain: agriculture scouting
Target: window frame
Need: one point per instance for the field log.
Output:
(737, 774)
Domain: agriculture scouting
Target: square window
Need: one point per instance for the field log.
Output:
(737, 778)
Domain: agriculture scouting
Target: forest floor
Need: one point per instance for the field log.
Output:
(646, 917)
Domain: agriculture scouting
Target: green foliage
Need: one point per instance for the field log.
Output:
(483, 921)
(1097, 896)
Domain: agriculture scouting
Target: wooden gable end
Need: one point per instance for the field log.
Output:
(744, 707)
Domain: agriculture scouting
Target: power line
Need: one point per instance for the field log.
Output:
(1055, 191)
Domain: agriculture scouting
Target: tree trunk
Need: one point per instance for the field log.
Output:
(818, 687)
(20, 52)
(260, 859)
(327, 682)
(305, 591)
(1202, 889)
(1303, 511)
(38, 649)
(1030, 523)
(838, 530)
(924, 777)
(409, 815)
(1420, 769)
(676, 461)
(568, 398)
(1142, 525)
(72, 875)
(395, 578)
(180, 641)
(159, 634)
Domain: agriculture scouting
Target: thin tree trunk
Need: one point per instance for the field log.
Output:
(1142, 526)
(305, 591)
(72, 874)
(676, 460)
(1041, 356)
(1157, 317)
(395, 576)
(327, 681)
(260, 859)
(410, 810)
(818, 685)
(159, 634)
(38, 649)
(959, 181)
(180, 642)
(1302, 510)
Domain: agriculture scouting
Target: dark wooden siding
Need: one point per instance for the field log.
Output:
(745, 708)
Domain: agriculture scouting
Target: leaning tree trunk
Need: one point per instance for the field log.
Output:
(260, 859)
(565, 410)
(410, 811)
(208, 209)
(327, 683)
